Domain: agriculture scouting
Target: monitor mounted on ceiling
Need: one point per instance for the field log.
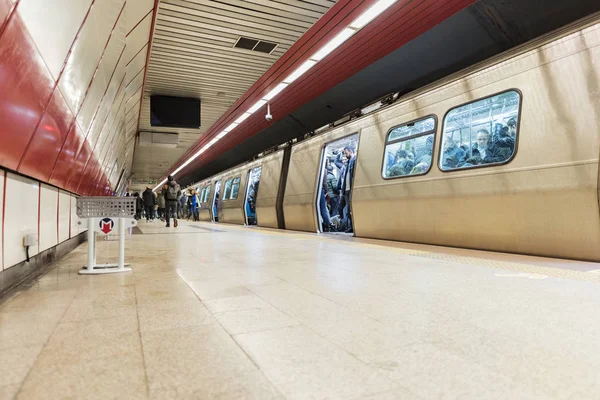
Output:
(174, 112)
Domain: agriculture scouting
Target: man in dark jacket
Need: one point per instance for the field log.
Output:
(149, 201)
(453, 156)
(171, 193)
(484, 152)
(345, 185)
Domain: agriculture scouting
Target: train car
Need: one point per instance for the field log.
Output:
(234, 196)
(205, 200)
(502, 157)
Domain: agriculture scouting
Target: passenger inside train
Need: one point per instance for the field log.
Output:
(481, 133)
(251, 193)
(337, 178)
(215, 203)
(409, 149)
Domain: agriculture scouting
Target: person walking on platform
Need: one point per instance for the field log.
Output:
(149, 201)
(162, 203)
(171, 193)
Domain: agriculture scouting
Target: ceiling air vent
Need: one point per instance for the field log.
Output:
(255, 45)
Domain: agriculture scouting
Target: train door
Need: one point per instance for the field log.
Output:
(215, 202)
(251, 194)
(334, 192)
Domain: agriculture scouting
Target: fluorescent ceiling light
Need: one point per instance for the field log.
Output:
(256, 106)
(160, 184)
(371, 13)
(333, 44)
(275, 91)
(308, 64)
(231, 127)
(222, 134)
(242, 118)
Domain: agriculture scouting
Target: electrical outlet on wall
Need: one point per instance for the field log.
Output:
(30, 239)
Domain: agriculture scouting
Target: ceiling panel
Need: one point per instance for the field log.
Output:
(193, 55)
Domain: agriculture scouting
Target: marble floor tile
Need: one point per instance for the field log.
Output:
(171, 314)
(218, 288)
(292, 315)
(25, 328)
(304, 365)
(254, 319)
(119, 377)
(9, 391)
(201, 362)
(235, 303)
(16, 362)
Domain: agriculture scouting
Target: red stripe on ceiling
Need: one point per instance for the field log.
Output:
(136, 54)
(294, 57)
(150, 42)
(140, 21)
(395, 27)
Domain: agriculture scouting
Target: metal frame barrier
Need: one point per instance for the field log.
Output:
(100, 212)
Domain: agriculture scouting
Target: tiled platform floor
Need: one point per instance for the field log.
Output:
(224, 312)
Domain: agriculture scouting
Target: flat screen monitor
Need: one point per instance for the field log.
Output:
(177, 112)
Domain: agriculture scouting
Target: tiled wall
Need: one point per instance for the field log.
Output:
(71, 76)
(27, 206)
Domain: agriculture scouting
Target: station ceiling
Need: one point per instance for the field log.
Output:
(215, 51)
(411, 44)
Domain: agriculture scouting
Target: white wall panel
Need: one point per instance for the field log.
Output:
(135, 10)
(1, 210)
(64, 17)
(100, 82)
(22, 195)
(137, 64)
(48, 217)
(64, 205)
(87, 51)
(74, 219)
(138, 37)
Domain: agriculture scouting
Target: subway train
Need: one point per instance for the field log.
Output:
(502, 156)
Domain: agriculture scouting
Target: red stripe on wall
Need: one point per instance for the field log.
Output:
(139, 22)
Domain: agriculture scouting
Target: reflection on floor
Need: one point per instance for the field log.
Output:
(234, 313)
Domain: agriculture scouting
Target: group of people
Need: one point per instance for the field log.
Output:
(496, 147)
(251, 201)
(334, 200)
(411, 161)
(162, 205)
(414, 157)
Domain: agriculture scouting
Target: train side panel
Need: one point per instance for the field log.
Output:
(544, 202)
(299, 202)
(266, 199)
(231, 211)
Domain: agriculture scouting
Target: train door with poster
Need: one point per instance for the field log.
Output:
(334, 192)
(215, 202)
(251, 194)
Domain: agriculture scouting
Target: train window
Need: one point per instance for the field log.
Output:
(202, 195)
(481, 133)
(235, 188)
(409, 149)
(227, 189)
(207, 193)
